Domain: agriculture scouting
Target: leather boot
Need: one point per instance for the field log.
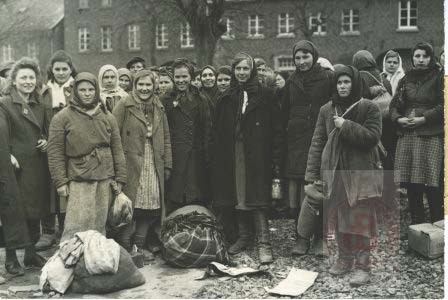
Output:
(320, 247)
(344, 262)
(245, 233)
(45, 242)
(12, 264)
(305, 227)
(32, 259)
(140, 243)
(263, 237)
(301, 246)
(361, 275)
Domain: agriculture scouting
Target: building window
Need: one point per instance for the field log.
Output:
(161, 37)
(32, 50)
(407, 14)
(134, 37)
(83, 4)
(256, 26)
(350, 21)
(285, 25)
(83, 39)
(106, 3)
(284, 63)
(186, 38)
(106, 38)
(230, 26)
(7, 53)
(318, 24)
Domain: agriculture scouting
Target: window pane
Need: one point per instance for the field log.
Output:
(413, 22)
(413, 4)
(413, 13)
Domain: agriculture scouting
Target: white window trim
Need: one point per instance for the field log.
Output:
(85, 4)
(257, 34)
(108, 4)
(83, 32)
(407, 28)
(164, 40)
(8, 50)
(350, 32)
(110, 48)
(277, 66)
(134, 37)
(319, 32)
(289, 34)
(227, 35)
(32, 50)
(185, 27)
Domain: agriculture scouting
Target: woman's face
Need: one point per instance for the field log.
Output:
(61, 72)
(242, 71)
(208, 78)
(392, 64)
(25, 81)
(135, 67)
(344, 86)
(124, 82)
(303, 60)
(109, 80)
(421, 59)
(223, 82)
(182, 78)
(279, 81)
(165, 84)
(86, 92)
(197, 81)
(144, 88)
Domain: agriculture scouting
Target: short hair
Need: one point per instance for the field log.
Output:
(60, 56)
(183, 62)
(23, 63)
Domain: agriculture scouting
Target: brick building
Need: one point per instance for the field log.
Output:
(111, 31)
(31, 28)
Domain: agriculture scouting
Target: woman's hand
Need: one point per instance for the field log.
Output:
(338, 121)
(404, 122)
(416, 122)
(14, 162)
(42, 145)
(63, 191)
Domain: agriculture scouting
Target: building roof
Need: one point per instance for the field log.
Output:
(31, 15)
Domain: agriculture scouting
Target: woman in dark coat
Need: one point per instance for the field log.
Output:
(25, 123)
(56, 94)
(247, 143)
(146, 142)
(417, 109)
(306, 90)
(344, 155)
(86, 158)
(208, 86)
(189, 121)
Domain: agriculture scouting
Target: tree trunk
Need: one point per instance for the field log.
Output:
(205, 51)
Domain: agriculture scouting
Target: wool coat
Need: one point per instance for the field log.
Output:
(132, 125)
(300, 108)
(263, 137)
(28, 123)
(190, 124)
(352, 150)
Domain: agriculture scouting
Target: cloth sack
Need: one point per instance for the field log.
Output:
(120, 213)
(56, 275)
(126, 277)
(192, 237)
(383, 97)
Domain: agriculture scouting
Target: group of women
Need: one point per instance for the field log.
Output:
(167, 140)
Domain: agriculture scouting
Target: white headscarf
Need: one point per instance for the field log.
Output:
(395, 77)
(116, 91)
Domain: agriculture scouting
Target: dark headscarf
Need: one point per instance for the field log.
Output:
(418, 74)
(88, 77)
(213, 70)
(134, 60)
(227, 70)
(251, 85)
(355, 93)
(306, 46)
(363, 60)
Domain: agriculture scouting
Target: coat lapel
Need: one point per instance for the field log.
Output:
(131, 104)
(26, 111)
(158, 112)
(253, 103)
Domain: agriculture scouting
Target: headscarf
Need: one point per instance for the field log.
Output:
(183, 62)
(308, 47)
(146, 105)
(76, 101)
(419, 74)
(227, 70)
(125, 72)
(107, 93)
(356, 91)
(395, 77)
(134, 60)
(259, 62)
(325, 63)
(363, 60)
(251, 85)
(214, 72)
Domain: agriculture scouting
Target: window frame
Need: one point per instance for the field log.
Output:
(230, 29)
(408, 9)
(259, 19)
(106, 3)
(162, 37)
(279, 68)
(108, 38)
(84, 39)
(32, 50)
(134, 37)
(10, 53)
(185, 28)
(351, 23)
(289, 25)
(316, 17)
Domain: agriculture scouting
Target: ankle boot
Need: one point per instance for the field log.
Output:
(140, 243)
(301, 246)
(245, 233)
(361, 275)
(263, 237)
(12, 264)
(320, 247)
(32, 259)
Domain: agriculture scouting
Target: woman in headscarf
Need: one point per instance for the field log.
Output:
(166, 82)
(392, 69)
(24, 127)
(55, 95)
(344, 156)
(125, 79)
(189, 121)
(223, 78)
(110, 91)
(306, 90)
(148, 157)
(247, 151)
(86, 158)
(417, 109)
(208, 86)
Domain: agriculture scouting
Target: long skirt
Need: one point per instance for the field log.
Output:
(87, 207)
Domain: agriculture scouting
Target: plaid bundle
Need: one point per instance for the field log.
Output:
(193, 240)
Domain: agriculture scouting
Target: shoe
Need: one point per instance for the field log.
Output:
(14, 268)
(301, 246)
(34, 260)
(45, 242)
(360, 277)
(265, 254)
(245, 232)
(341, 266)
(319, 248)
(240, 245)
(147, 256)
